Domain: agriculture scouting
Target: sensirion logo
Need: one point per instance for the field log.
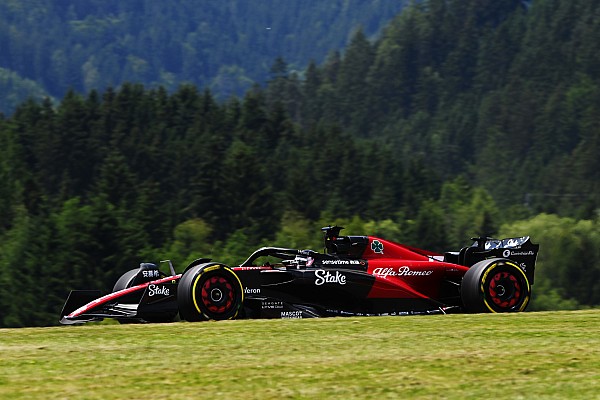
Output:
(377, 246)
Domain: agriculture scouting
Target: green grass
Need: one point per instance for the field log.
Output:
(527, 355)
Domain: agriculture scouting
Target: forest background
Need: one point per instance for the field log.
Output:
(459, 118)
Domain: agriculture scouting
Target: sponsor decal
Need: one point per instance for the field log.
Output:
(401, 271)
(291, 314)
(267, 305)
(509, 253)
(516, 242)
(323, 277)
(248, 290)
(523, 267)
(377, 246)
(341, 262)
(153, 273)
(154, 290)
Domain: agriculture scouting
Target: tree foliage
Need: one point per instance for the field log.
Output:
(461, 119)
(49, 48)
(568, 269)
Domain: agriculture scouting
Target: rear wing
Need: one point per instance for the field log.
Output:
(519, 250)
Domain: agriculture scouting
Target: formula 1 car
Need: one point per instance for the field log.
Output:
(354, 276)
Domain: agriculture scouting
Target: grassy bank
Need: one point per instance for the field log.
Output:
(528, 355)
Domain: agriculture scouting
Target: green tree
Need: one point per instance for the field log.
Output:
(191, 240)
(429, 230)
(351, 83)
(297, 232)
(11, 173)
(20, 298)
(566, 263)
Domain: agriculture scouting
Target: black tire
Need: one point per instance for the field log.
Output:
(126, 280)
(496, 285)
(209, 291)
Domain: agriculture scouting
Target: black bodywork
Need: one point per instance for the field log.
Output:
(354, 276)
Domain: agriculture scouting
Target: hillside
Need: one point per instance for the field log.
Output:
(504, 94)
(226, 46)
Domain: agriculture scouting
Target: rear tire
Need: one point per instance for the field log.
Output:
(209, 291)
(495, 285)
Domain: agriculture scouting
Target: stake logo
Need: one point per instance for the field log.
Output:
(154, 290)
(323, 277)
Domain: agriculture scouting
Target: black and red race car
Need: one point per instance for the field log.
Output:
(354, 276)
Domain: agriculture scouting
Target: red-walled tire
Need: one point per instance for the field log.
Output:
(496, 285)
(209, 291)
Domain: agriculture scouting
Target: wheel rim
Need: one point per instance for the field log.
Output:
(217, 295)
(505, 290)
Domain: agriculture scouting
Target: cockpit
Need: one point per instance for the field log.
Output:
(351, 247)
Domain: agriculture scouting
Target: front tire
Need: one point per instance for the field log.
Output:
(209, 291)
(127, 280)
(124, 282)
(496, 285)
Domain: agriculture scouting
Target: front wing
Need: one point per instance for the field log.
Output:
(154, 301)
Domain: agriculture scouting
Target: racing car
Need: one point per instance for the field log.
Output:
(352, 276)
